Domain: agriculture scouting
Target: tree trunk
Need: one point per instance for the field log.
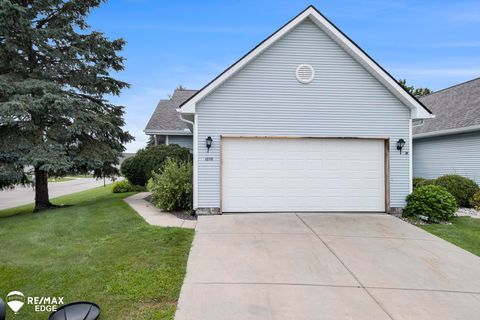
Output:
(42, 200)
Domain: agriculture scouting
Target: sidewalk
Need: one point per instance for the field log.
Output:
(154, 215)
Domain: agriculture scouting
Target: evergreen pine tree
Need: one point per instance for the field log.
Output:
(54, 76)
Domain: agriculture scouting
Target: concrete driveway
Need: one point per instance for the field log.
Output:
(325, 266)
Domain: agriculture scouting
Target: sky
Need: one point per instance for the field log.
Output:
(431, 43)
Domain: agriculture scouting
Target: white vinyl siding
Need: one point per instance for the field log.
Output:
(183, 141)
(265, 99)
(274, 175)
(458, 154)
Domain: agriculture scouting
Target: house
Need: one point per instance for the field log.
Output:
(450, 143)
(124, 156)
(305, 121)
(165, 125)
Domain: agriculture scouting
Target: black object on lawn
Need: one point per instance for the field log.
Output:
(2, 310)
(76, 311)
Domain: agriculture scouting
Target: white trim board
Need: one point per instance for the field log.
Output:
(168, 132)
(410, 156)
(418, 111)
(195, 162)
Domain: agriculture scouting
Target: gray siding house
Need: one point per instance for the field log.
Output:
(165, 125)
(450, 143)
(306, 121)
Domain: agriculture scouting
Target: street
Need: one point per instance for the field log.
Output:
(24, 195)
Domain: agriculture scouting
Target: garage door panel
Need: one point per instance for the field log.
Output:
(274, 164)
(315, 166)
(302, 175)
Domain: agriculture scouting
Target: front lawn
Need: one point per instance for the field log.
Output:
(97, 250)
(463, 232)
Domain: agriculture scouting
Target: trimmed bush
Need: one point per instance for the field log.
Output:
(475, 201)
(132, 170)
(460, 187)
(138, 169)
(420, 182)
(433, 202)
(126, 186)
(172, 189)
(417, 181)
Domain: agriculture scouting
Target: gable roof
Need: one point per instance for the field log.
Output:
(418, 110)
(165, 118)
(456, 109)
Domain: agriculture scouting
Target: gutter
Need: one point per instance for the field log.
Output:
(168, 132)
(447, 132)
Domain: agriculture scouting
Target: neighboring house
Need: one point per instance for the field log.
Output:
(124, 156)
(306, 121)
(450, 143)
(165, 125)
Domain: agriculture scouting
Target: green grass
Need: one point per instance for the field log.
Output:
(463, 232)
(97, 250)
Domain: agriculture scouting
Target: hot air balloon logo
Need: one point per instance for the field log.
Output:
(15, 300)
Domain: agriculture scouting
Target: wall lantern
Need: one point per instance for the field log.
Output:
(209, 141)
(400, 145)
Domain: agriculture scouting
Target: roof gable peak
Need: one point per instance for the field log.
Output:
(418, 110)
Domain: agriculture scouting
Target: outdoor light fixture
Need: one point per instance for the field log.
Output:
(209, 141)
(400, 145)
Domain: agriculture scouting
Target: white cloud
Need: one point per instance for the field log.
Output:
(459, 44)
(463, 12)
(239, 30)
(464, 72)
(140, 101)
(465, 16)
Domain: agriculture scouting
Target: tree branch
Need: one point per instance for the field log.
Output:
(47, 19)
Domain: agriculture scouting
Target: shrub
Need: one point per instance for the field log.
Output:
(417, 181)
(138, 169)
(150, 184)
(131, 170)
(460, 187)
(420, 182)
(126, 186)
(432, 201)
(475, 200)
(172, 188)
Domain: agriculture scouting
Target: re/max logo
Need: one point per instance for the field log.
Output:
(45, 300)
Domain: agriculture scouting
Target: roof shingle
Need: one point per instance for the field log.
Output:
(165, 117)
(454, 107)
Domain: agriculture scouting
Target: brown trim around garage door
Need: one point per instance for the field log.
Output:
(386, 160)
(387, 174)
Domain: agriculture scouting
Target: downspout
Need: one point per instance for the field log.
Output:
(195, 151)
(185, 120)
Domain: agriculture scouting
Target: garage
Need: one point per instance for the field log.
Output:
(273, 174)
(305, 121)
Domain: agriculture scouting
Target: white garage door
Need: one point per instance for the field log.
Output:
(274, 175)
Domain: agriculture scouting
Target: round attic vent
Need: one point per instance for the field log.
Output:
(305, 73)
